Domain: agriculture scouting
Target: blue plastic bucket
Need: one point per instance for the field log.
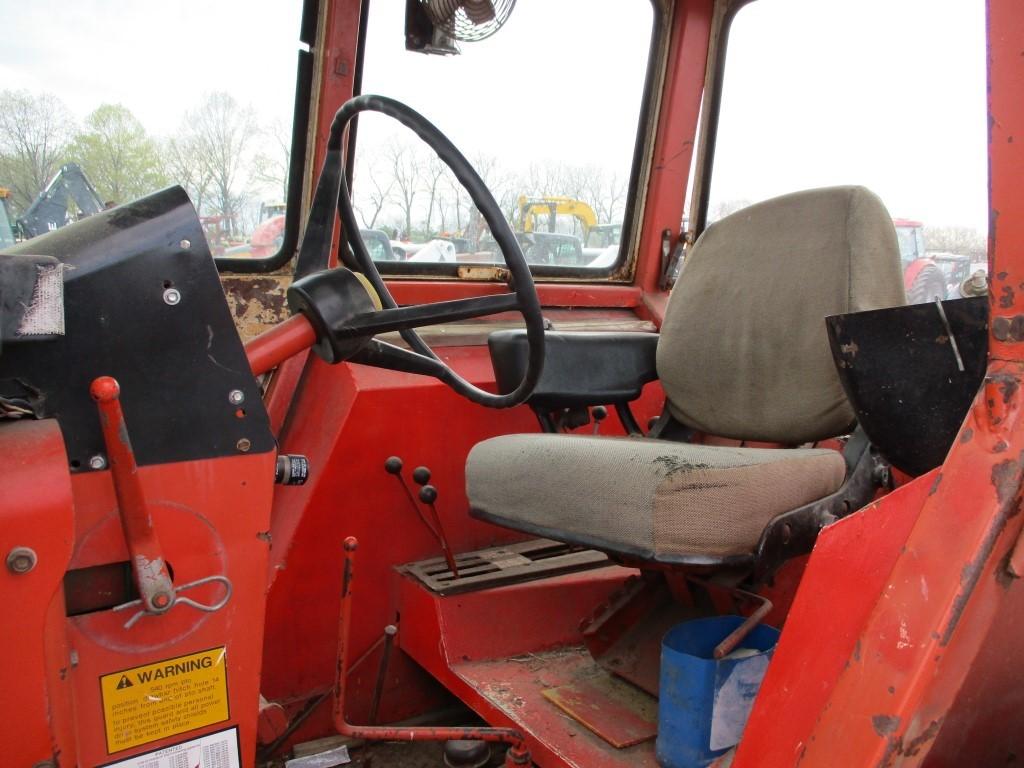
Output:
(703, 704)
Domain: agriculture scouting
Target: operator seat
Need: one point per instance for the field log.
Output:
(743, 353)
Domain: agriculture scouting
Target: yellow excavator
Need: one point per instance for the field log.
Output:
(532, 207)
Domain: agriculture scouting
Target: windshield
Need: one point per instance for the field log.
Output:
(553, 135)
(908, 244)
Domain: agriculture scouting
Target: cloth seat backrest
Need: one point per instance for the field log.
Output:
(744, 351)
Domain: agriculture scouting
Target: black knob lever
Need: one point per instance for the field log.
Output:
(428, 496)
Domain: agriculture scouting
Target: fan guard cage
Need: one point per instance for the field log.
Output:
(469, 20)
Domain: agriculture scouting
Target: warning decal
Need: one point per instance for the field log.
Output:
(158, 700)
(214, 750)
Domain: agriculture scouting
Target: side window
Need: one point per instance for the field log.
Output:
(887, 95)
(552, 132)
(109, 101)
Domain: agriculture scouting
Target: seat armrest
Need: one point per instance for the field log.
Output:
(580, 369)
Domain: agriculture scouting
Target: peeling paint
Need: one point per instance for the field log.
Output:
(904, 640)
(885, 724)
(1008, 386)
(926, 736)
(1005, 480)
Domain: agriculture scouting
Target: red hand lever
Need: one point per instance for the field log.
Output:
(148, 565)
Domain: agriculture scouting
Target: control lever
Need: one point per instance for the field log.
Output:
(157, 593)
(427, 495)
(149, 567)
(598, 413)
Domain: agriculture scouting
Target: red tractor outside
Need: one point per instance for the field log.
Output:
(923, 279)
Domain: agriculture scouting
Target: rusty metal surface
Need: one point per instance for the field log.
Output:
(257, 302)
(624, 633)
(515, 686)
(618, 712)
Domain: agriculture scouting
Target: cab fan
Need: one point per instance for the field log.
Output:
(468, 20)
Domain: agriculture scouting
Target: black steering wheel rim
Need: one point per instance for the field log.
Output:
(528, 302)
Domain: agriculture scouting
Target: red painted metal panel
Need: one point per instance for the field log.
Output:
(212, 517)
(849, 568)
(36, 512)
(465, 642)
(551, 294)
(676, 135)
(353, 418)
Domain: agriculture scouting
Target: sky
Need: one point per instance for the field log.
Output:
(561, 81)
(885, 93)
(155, 57)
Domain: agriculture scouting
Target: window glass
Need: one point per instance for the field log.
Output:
(891, 96)
(547, 110)
(127, 98)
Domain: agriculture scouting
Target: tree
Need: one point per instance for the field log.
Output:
(120, 159)
(502, 185)
(721, 209)
(458, 195)
(606, 194)
(962, 240)
(405, 169)
(220, 132)
(182, 165)
(434, 172)
(35, 132)
(371, 194)
(270, 164)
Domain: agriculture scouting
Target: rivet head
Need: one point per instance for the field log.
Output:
(236, 397)
(21, 560)
(186, 244)
(172, 296)
(244, 444)
(97, 462)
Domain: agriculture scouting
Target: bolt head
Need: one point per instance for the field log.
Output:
(244, 444)
(97, 462)
(236, 397)
(21, 560)
(172, 296)
(186, 244)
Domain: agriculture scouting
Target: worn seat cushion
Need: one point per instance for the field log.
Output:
(650, 499)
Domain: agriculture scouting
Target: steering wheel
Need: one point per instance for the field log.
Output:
(342, 314)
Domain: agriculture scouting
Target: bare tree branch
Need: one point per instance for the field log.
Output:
(35, 132)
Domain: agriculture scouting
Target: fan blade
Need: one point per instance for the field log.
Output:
(479, 11)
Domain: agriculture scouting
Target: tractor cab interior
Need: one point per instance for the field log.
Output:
(712, 494)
